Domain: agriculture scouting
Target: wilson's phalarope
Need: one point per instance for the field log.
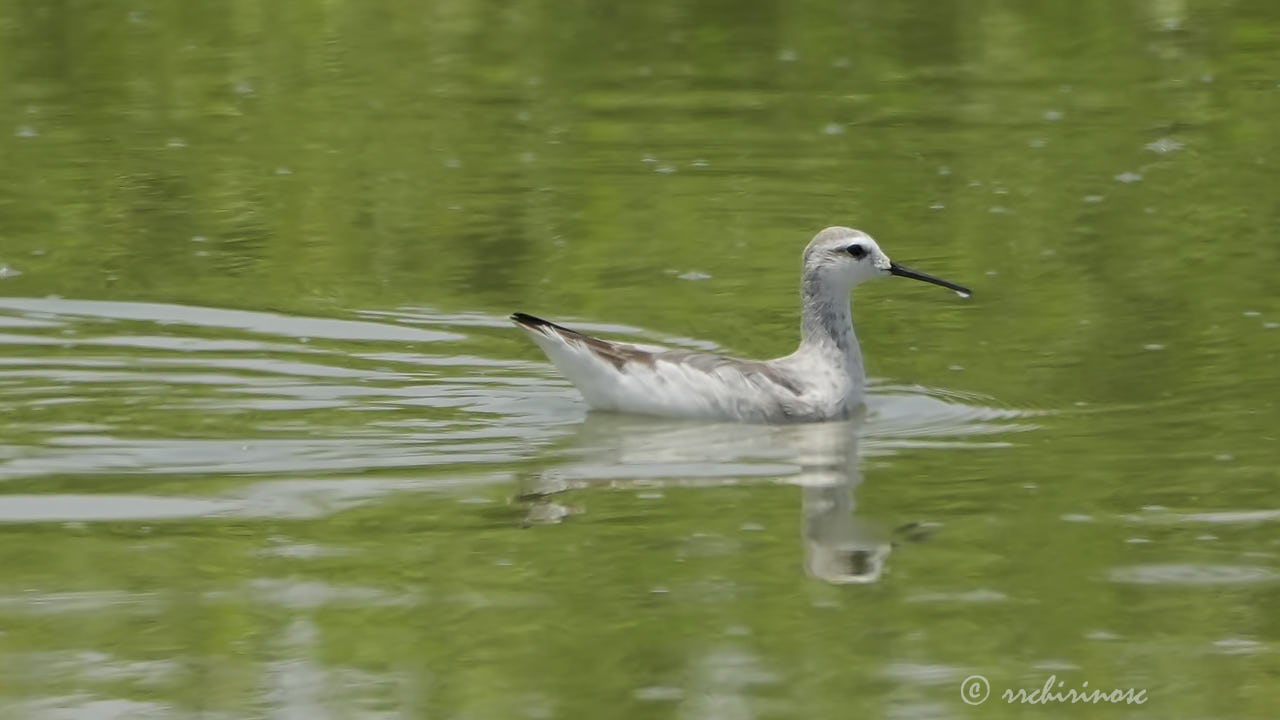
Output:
(823, 379)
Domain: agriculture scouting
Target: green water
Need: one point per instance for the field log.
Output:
(269, 449)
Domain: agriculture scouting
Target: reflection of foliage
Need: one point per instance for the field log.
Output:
(562, 158)
(481, 156)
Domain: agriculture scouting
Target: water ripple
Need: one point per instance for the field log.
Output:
(1193, 574)
(143, 390)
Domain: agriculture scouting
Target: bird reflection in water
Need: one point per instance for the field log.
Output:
(639, 453)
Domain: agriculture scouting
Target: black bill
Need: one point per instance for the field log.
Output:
(900, 271)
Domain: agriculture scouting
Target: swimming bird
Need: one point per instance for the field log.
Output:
(822, 380)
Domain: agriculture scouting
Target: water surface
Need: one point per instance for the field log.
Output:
(268, 447)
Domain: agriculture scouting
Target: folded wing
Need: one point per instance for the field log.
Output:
(673, 383)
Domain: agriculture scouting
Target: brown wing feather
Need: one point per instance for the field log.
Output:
(619, 355)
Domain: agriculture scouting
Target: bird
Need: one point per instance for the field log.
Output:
(824, 379)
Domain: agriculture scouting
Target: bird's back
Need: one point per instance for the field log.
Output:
(672, 383)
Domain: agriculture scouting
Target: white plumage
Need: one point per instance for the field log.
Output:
(823, 379)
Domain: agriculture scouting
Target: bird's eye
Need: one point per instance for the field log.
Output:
(857, 251)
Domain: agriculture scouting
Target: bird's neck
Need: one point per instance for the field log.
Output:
(826, 325)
